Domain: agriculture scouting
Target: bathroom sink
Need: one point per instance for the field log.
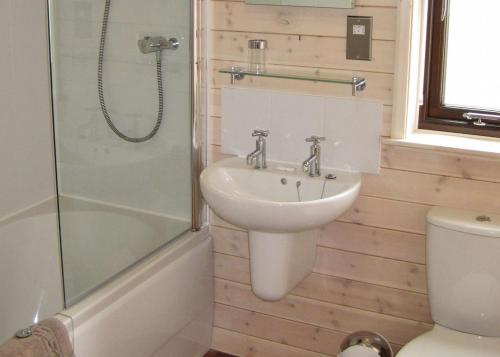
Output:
(279, 199)
(282, 208)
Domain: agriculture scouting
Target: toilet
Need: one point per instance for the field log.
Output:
(463, 272)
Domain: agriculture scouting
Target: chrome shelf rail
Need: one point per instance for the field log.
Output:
(358, 84)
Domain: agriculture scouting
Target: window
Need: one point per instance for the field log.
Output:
(462, 69)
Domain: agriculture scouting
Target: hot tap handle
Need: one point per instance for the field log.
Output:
(315, 139)
(261, 133)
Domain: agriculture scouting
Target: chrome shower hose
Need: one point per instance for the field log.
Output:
(159, 77)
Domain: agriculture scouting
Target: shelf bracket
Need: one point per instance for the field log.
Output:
(236, 74)
(358, 85)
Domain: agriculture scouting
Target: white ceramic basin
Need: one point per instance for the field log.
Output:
(258, 200)
(282, 208)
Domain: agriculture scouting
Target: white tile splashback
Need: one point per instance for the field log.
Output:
(352, 127)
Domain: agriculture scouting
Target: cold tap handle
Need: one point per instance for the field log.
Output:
(261, 133)
(315, 139)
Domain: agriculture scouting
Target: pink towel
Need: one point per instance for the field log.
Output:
(49, 339)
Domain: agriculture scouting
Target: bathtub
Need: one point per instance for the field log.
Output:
(30, 268)
(162, 306)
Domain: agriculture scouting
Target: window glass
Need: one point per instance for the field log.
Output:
(472, 62)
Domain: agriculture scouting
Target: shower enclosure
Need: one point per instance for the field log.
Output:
(124, 113)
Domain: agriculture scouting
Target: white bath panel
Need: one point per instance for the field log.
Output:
(162, 307)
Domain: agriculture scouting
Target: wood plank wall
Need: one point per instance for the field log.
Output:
(370, 270)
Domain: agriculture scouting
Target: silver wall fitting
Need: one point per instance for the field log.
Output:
(236, 74)
(157, 43)
(24, 333)
(370, 340)
(313, 162)
(358, 85)
(259, 154)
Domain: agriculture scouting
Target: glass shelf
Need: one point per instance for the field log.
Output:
(358, 84)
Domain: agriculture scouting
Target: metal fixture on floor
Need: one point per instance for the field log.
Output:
(365, 343)
(24, 333)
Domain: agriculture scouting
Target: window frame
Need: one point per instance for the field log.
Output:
(432, 114)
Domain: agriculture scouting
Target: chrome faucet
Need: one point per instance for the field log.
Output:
(312, 164)
(259, 155)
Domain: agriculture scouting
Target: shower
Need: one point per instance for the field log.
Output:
(146, 45)
(120, 202)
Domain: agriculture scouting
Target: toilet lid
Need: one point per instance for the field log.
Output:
(443, 342)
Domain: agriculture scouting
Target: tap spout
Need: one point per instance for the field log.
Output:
(311, 161)
(253, 156)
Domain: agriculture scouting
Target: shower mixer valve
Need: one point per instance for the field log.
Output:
(157, 44)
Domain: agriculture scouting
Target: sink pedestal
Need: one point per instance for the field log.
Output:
(279, 261)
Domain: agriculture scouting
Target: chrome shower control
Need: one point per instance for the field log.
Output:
(157, 43)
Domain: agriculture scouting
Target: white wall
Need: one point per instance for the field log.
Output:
(26, 152)
(28, 220)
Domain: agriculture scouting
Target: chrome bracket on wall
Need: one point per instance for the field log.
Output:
(236, 74)
(358, 85)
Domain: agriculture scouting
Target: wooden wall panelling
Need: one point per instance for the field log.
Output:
(244, 345)
(319, 313)
(236, 16)
(295, 50)
(386, 213)
(337, 290)
(432, 189)
(440, 162)
(380, 242)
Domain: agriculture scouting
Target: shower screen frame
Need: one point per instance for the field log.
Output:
(198, 109)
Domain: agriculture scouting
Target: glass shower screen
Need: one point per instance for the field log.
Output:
(121, 76)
